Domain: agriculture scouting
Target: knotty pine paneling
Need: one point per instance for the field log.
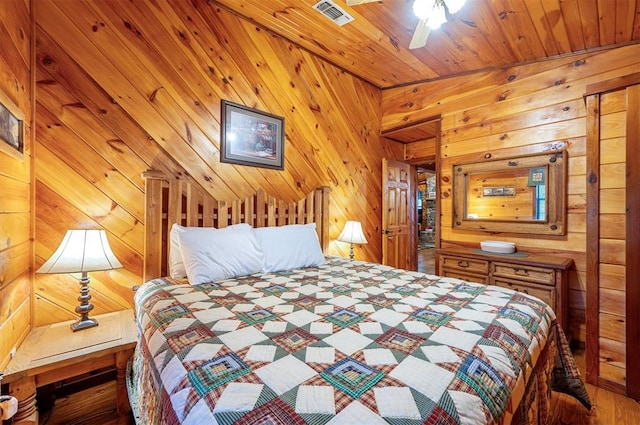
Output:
(518, 111)
(613, 207)
(125, 86)
(16, 246)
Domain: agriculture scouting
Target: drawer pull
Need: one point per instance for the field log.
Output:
(521, 272)
(463, 264)
(518, 289)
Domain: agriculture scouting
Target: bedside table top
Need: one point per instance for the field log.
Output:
(52, 346)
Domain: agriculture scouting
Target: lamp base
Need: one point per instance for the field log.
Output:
(83, 324)
(85, 306)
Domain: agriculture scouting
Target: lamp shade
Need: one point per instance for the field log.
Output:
(81, 251)
(352, 233)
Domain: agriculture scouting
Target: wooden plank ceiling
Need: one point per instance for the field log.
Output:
(485, 34)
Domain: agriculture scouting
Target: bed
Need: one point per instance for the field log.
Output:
(310, 338)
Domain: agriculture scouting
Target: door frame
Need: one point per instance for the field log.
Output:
(411, 134)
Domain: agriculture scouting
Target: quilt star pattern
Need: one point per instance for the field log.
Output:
(346, 342)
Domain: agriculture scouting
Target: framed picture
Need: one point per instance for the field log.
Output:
(11, 128)
(499, 191)
(251, 137)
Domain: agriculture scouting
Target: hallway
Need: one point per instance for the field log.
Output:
(426, 260)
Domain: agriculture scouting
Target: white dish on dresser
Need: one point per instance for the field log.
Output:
(499, 247)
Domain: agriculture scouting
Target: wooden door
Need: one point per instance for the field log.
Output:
(613, 247)
(397, 187)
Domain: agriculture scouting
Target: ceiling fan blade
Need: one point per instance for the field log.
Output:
(357, 2)
(420, 35)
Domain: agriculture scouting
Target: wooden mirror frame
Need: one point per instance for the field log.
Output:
(555, 221)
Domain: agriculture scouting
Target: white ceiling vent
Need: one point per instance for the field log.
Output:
(334, 12)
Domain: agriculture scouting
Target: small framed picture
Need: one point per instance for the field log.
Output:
(251, 137)
(499, 191)
(11, 128)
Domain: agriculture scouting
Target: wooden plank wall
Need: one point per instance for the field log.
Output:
(516, 111)
(125, 86)
(612, 258)
(15, 176)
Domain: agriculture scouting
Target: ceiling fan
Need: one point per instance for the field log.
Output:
(431, 14)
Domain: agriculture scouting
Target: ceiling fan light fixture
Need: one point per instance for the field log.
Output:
(438, 16)
(423, 8)
(454, 5)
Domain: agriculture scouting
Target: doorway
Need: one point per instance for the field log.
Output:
(421, 145)
(426, 217)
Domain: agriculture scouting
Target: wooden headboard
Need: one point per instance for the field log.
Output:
(173, 200)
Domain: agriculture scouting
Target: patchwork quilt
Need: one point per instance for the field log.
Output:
(346, 343)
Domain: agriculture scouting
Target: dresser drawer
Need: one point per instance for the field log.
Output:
(544, 277)
(545, 293)
(521, 272)
(468, 277)
(464, 265)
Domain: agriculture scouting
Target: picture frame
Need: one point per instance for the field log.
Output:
(251, 137)
(12, 130)
(499, 191)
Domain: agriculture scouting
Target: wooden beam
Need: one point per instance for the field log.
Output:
(593, 235)
(633, 241)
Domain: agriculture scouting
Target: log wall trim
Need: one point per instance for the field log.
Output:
(169, 201)
(593, 235)
(633, 242)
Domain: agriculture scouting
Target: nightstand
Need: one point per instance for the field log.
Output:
(54, 352)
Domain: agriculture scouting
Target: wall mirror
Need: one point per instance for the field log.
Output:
(515, 195)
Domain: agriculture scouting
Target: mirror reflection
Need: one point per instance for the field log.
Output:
(517, 194)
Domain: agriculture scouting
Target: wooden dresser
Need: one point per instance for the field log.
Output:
(544, 277)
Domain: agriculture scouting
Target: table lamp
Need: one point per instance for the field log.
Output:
(352, 233)
(82, 251)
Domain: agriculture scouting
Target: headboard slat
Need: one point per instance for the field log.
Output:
(236, 212)
(192, 206)
(271, 211)
(302, 212)
(153, 225)
(310, 207)
(174, 206)
(261, 201)
(223, 215)
(178, 200)
(291, 213)
(281, 215)
(207, 212)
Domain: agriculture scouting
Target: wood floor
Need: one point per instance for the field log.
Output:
(608, 408)
(427, 261)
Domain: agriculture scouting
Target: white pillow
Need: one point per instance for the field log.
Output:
(289, 247)
(176, 266)
(217, 254)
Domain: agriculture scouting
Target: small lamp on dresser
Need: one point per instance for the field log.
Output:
(82, 251)
(352, 233)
